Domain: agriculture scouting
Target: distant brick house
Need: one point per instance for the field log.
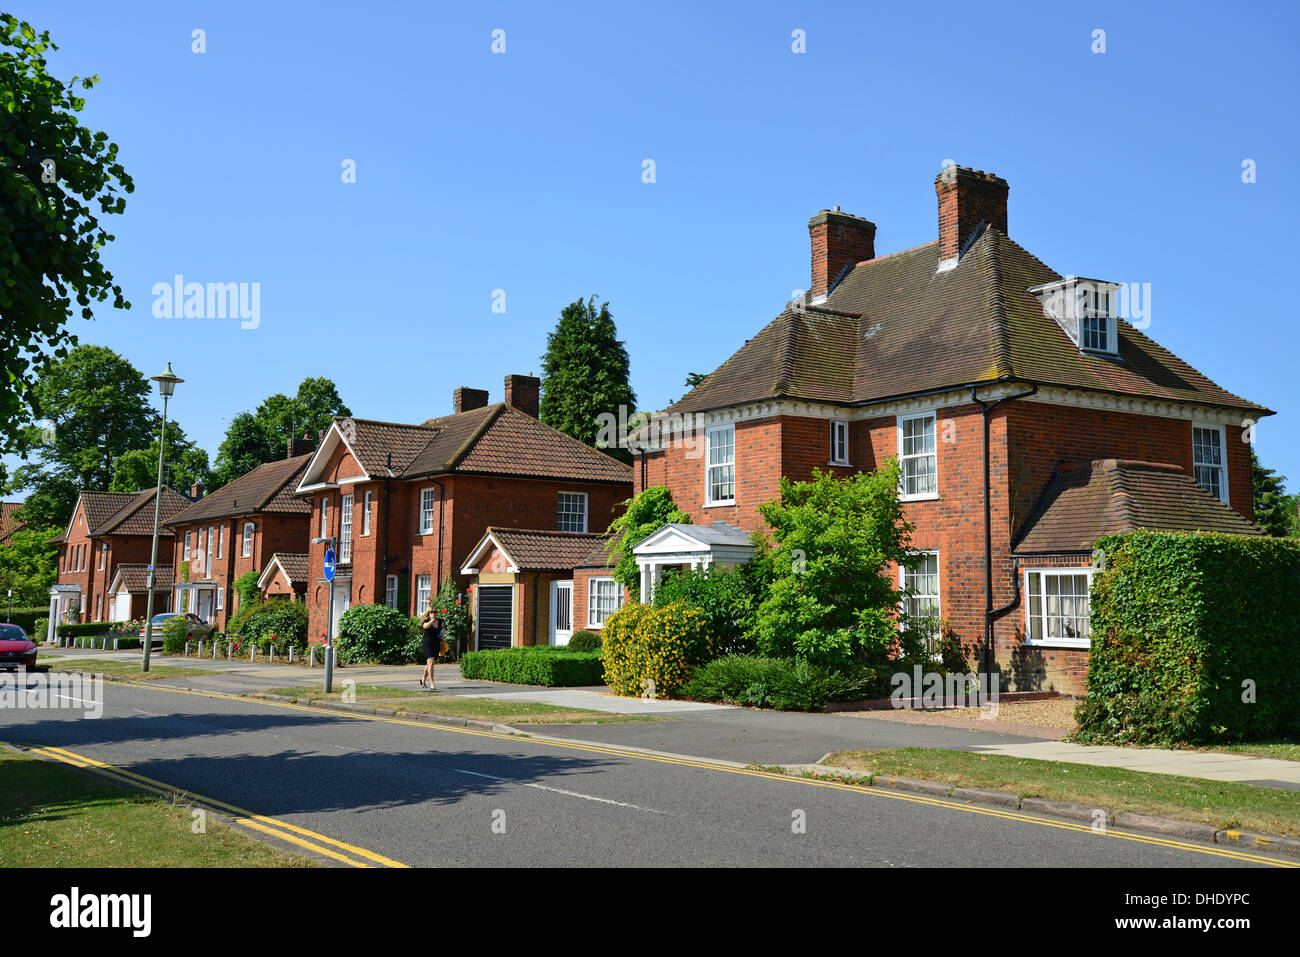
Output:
(236, 530)
(9, 521)
(964, 351)
(407, 503)
(107, 530)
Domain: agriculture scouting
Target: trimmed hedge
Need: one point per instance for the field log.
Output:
(95, 628)
(1195, 639)
(541, 665)
(585, 641)
(25, 616)
(787, 684)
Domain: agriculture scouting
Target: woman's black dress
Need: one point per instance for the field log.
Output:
(431, 640)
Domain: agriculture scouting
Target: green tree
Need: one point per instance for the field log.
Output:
(29, 565)
(255, 438)
(1274, 509)
(98, 407)
(645, 514)
(56, 178)
(585, 374)
(830, 600)
(185, 464)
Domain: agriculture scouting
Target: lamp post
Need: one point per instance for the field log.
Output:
(167, 381)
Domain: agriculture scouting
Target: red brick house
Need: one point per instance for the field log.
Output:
(109, 529)
(9, 521)
(406, 502)
(1009, 394)
(236, 530)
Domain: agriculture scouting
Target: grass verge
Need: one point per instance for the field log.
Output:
(1222, 804)
(58, 816)
(124, 669)
(503, 712)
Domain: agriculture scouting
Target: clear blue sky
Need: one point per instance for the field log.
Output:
(522, 172)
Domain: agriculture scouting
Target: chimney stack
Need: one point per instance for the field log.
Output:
(464, 398)
(968, 199)
(301, 446)
(838, 240)
(523, 392)
(196, 491)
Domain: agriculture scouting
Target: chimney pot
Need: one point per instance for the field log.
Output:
(523, 392)
(464, 398)
(301, 446)
(196, 491)
(839, 240)
(968, 199)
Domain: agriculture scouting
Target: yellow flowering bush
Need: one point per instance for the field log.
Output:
(653, 649)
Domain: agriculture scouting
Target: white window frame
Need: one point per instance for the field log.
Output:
(221, 541)
(709, 466)
(207, 555)
(595, 615)
(1223, 455)
(324, 517)
(1045, 641)
(903, 571)
(390, 591)
(221, 598)
(561, 512)
(429, 495)
(903, 495)
(423, 587)
(345, 529)
(365, 515)
(103, 551)
(185, 548)
(246, 547)
(839, 437)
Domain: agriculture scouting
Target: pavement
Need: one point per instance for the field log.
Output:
(726, 733)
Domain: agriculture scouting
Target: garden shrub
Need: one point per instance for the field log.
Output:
(585, 641)
(245, 586)
(645, 644)
(788, 684)
(236, 622)
(373, 633)
(541, 665)
(645, 514)
(26, 617)
(1194, 639)
(175, 633)
(281, 622)
(453, 608)
(728, 597)
(39, 629)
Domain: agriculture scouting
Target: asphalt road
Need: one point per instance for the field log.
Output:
(428, 796)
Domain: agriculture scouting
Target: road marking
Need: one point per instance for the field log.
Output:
(259, 822)
(576, 794)
(1210, 850)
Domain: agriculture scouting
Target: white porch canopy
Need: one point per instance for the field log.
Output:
(61, 596)
(696, 546)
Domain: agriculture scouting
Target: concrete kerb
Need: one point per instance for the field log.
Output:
(1070, 810)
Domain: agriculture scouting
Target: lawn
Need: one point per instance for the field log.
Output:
(1219, 803)
(58, 816)
(124, 669)
(503, 712)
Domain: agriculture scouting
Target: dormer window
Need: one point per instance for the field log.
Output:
(1086, 309)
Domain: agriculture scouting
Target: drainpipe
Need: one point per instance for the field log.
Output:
(986, 408)
(388, 500)
(438, 561)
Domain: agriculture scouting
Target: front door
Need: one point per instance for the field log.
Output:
(561, 612)
(205, 605)
(342, 594)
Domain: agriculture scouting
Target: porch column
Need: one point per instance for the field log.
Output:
(53, 623)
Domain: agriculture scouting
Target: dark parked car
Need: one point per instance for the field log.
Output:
(198, 629)
(16, 648)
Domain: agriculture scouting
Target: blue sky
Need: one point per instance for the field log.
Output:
(522, 172)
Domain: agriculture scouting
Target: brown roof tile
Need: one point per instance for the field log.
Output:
(136, 516)
(267, 488)
(543, 550)
(295, 565)
(8, 520)
(136, 577)
(1084, 502)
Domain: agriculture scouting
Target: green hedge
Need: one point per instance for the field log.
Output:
(374, 633)
(787, 684)
(1187, 629)
(95, 628)
(543, 665)
(174, 635)
(585, 641)
(24, 616)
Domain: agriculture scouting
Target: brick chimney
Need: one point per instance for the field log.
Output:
(301, 446)
(968, 199)
(523, 392)
(464, 398)
(196, 491)
(838, 240)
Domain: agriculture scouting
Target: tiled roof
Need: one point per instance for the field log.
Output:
(495, 439)
(267, 488)
(136, 577)
(101, 506)
(1109, 496)
(295, 565)
(8, 520)
(894, 326)
(599, 557)
(541, 550)
(136, 516)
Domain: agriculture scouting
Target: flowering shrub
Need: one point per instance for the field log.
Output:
(647, 646)
(373, 633)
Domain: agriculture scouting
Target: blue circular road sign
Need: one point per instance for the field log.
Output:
(329, 564)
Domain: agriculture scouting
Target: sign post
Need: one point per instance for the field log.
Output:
(331, 565)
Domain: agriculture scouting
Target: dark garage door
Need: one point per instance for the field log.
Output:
(496, 605)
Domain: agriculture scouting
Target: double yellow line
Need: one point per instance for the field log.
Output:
(328, 847)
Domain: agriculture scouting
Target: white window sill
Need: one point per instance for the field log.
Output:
(839, 465)
(930, 497)
(727, 504)
(1082, 644)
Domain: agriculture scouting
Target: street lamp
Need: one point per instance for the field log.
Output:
(167, 381)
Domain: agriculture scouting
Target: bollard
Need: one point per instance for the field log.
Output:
(115, 644)
(273, 654)
(312, 662)
(187, 647)
(291, 654)
(252, 652)
(199, 653)
(215, 645)
(230, 650)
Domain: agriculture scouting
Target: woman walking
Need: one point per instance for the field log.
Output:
(432, 627)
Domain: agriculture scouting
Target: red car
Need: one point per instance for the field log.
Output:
(16, 648)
